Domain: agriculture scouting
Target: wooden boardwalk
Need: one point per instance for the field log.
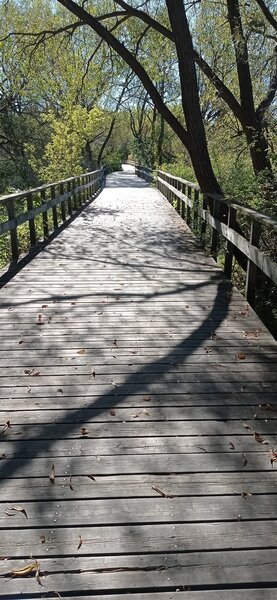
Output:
(144, 385)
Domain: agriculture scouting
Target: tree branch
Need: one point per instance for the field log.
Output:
(267, 101)
(131, 61)
(268, 15)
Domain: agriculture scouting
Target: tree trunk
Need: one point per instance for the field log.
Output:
(196, 139)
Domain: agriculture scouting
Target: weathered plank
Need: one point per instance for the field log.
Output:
(139, 306)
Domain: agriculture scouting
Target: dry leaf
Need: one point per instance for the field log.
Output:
(268, 406)
(112, 413)
(272, 456)
(19, 509)
(82, 351)
(70, 483)
(38, 577)
(246, 426)
(115, 343)
(3, 456)
(245, 461)
(92, 478)
(214, 336)
(60, 390)
(52, 474)
(84, 431)
(232, 446)
(259, 438)
(44, 306)
(246, 495)
(114, 384)
(42, 539)
(21, 342)
(146, 398)
(240, 356)
(163, 494)
(25, 570)
(6, 426)
(80, 542)
(93, 374)
(72, 302)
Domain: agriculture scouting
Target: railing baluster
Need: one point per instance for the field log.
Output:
(69, 201)
(44, 216)
(63, 213)
(13, 232)
(215, 234)
(32, 227)
(228, 263)
(188, 207)
(54, 208)
(252, 270)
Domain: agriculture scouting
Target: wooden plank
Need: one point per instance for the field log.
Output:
(115, 465)
(139, 485)
(78, 513)
(147, 572)
(182, 537)
(96, 413)
(241, 594)
(149, 445)
(135, 428)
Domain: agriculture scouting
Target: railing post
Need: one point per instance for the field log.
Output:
(215, 234)
(195, 211)
(44, 216)
(61, 189)
(54, 208)
(13, 232)
(74, 196)
(252, 270)
(32, 228)
(228, 263)
(69, 201)
(204, 223)
(188, 219)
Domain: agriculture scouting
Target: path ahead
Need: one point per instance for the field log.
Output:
(144, 385)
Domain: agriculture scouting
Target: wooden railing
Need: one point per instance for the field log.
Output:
(43, 209)
(215, 218)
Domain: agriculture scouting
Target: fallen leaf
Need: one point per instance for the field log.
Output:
(93, 374)
(232, 446)
(246, 426)
(114, 384)
(6, 426)
(214, 336)
(44, 306)
(42, 539)
(21, 342)
(72, 302)
(259, 438)
(112, 413)
(38, 577)
(252, 334)
(19, 509)
(80, 542)
(240, 356)
(60, 390)
(84, 431)
(92, 478)
(3, 456)
(163, 494)
(52, 474)
(70, 483)
(245, 461)
(25, 570)
(146, 398)
(246, 495)
(272, 456)
(134, 352)
(268, 406)
(82, 351)
(115, 343)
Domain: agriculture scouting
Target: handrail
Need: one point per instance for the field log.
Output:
(63, 198)
(221, 215)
